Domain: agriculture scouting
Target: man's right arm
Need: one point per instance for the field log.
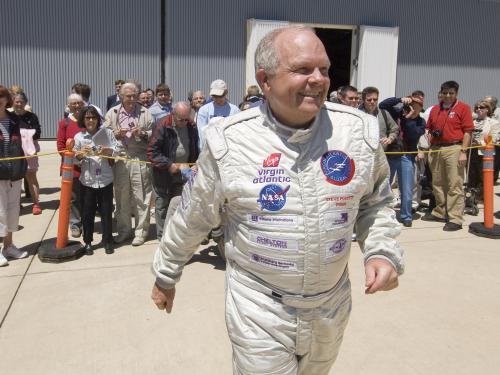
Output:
(390, 105)
(61, 136)
(201, 124)
(197, 214)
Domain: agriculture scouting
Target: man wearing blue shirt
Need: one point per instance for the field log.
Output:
(219, 107)
(162, 107)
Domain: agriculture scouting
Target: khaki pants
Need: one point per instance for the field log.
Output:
(447, 183)
(132, 183)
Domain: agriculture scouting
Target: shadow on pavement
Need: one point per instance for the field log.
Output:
(210, 255)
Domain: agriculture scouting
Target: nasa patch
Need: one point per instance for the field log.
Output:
(272, 197)
(337, 167)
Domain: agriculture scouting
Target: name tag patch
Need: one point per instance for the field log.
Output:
(275, 243)
(274, 220)
(341, 200)
(336, 219)
(277, 264)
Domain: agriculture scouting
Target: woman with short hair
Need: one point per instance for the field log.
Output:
(96, 176)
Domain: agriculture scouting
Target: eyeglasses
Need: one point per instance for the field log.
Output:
(131, 96)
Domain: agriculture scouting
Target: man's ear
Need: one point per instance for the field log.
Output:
(263, 80)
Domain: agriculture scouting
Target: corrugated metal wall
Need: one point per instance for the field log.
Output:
(46, 46)
(439, 40)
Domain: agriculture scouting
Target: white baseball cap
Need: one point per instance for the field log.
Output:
(218, 87)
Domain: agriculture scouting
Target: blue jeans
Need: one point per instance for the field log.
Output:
(394, 165)
(406, 180)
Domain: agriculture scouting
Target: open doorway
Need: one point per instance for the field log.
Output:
(338, 44)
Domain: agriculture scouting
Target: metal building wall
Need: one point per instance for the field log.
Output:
(438, 40)
(46, 46)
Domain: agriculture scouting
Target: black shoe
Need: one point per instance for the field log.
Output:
(88, 249)
(430, 217)
(407, 223)
(451, 227)
(108, 248)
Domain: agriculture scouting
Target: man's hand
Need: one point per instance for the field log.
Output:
(174, 168)
(462, 159)
(385, 141)
(406, 100)
(380, 275)
(163, 298)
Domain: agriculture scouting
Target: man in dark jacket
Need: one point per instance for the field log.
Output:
(412, 127)
(173, 146)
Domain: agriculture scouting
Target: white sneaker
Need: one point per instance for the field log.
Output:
(13, 252)
(138, 241)
(3, 260)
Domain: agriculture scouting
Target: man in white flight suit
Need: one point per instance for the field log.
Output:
(289, 180)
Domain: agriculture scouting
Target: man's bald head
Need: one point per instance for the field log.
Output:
(267, 54)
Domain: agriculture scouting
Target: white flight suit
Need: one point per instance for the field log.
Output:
(289, 200)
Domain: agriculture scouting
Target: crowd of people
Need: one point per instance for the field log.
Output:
(161, 142)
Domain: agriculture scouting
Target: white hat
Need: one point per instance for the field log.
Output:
(218, 87)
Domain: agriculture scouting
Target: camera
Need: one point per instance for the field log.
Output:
(407, 108)
(437, 133)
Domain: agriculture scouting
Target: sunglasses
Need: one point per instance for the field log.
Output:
(371, 100)
(2, 95)
(480, 107)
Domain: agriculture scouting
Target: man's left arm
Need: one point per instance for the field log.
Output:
(377, 229)
(147, 127)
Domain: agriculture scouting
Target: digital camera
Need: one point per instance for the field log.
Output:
(437, 133)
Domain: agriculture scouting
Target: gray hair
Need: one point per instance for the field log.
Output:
(266, 54)
(128, 85)
(491, 99)
(74, 97)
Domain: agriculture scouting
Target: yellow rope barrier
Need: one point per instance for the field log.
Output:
(148, 162)
(433, 151)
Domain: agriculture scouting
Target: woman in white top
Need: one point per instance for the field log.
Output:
(96, 176)
(484, 125)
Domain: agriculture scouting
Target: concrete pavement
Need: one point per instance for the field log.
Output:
(94, 315)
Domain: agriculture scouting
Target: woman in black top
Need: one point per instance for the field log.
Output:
(29, 121)
(11, 173)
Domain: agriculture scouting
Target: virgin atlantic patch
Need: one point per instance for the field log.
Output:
(337, 167)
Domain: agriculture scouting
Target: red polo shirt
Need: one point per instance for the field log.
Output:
(452, 122)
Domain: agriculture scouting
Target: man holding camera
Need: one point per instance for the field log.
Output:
(412, 127)
(450, 126)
